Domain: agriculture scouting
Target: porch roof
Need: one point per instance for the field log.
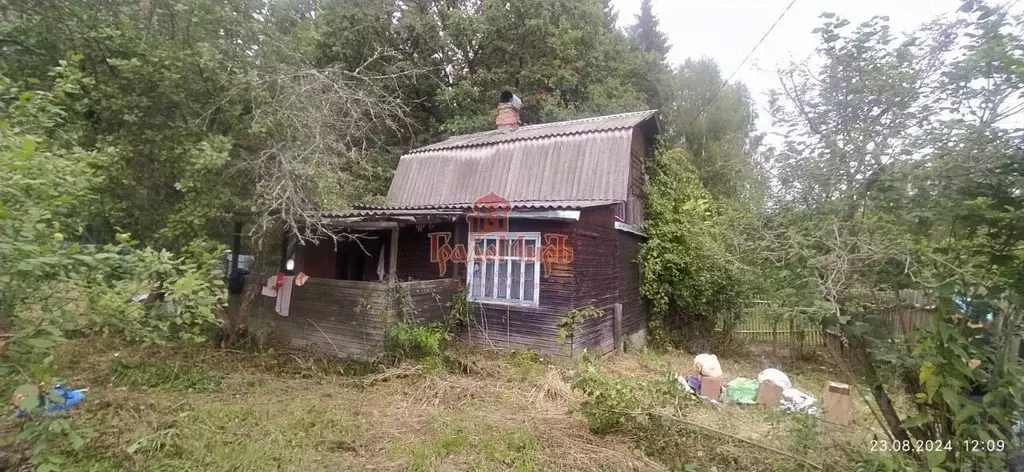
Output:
(457, 209)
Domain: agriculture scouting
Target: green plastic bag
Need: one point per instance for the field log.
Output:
(741, 390)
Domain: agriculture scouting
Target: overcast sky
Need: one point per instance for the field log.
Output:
(726, 30)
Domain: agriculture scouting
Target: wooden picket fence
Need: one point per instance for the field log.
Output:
(792, 330)
(787, 330)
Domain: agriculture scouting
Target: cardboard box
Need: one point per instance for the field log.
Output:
(838, 404)
(769, 394)
(711, 387)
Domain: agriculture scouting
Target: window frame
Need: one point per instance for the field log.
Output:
(471, 262)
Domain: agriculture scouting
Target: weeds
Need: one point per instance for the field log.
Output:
(308, 411)
(425, 344)
(164, 375)
(613, 405)
(679, 430)
(47, 440)
(570, 321)
(526, 364)
(460, 310)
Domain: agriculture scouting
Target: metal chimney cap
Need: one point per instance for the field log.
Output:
(509, 98)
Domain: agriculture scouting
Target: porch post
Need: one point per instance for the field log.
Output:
(393, 256)
(459, 239)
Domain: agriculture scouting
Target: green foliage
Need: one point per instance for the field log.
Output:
(692, 281)
(51, 285)
(718, 135)
(645, 35)
(164, 375)
(963, 394)
(571, 320)
(426, 344)
(46, 437)
(626, 405)
(900, 168)
(460, 310)
(206, 121)
(181, 296)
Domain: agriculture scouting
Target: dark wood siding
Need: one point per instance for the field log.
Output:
(414, 252)
(607, 273)
(603, 272)
(317, 260)
(348, 318)
(351, 317)
(430, 299)
(633, 209)
(535, 328)
(322, 260)
(634, 307)
(510, 327)
(597, 275)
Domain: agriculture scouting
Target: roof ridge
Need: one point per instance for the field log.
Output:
(528, 132)
(523, 200)
(582, 120)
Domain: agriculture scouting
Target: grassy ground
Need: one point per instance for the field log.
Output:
(737, 437)
(173, 408)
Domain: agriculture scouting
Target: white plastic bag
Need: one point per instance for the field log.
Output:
(707, 365)
(777, 377)
(798, 402)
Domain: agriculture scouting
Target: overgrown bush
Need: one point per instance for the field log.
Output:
(174, 297)
(423, 343)
(965, 397)
(693, 282)
(460, 310)
(614, 405)
(570, 321)
(53, 284)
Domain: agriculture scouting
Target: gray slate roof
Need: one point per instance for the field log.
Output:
(579, 160)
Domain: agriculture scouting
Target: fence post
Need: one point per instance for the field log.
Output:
(775, 337)
(617, 328)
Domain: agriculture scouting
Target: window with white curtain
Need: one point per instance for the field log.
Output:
(504, 268)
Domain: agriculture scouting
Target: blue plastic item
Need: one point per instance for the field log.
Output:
(69, 398)
(964, 304)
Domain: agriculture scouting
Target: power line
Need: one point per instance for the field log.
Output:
(705, 108)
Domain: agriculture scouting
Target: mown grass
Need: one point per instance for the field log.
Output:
(736, 437)
(196, 408)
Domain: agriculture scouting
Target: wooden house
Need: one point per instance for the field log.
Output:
(528, 222)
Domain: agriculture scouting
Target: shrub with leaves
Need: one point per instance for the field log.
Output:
(611, 405)
(425, 343)
(570, 321)
(964, 395)
(52, 283)
(689, 276)
(172, 297)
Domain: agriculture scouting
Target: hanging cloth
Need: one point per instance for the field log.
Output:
(270, 288)
(284, 295)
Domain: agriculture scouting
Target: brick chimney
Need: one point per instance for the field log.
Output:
(508, 111)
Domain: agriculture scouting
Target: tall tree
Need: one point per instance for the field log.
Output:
(652, 46)
(645, 34)
(901, 167)
(611, 17)
(190, 94)
(714, 121)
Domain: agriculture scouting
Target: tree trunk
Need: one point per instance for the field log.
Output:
(236, 325)
(882, 399)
